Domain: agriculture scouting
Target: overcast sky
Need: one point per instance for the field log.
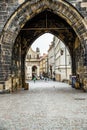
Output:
(43, 43)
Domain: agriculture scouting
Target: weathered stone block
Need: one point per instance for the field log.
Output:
(8, 84)
(1, 87)
(84, 4)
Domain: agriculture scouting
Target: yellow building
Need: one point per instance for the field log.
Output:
(44, 65)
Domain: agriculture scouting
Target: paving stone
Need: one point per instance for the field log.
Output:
(45, 106)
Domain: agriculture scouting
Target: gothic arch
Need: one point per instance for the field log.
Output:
(28, 10)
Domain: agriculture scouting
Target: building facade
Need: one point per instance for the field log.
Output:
(51, 60)
(62, 60)
(44, 65)
(32, 64)
(59, 60)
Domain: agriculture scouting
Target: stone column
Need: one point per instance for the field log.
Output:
(23, 71)
(85, 54)
(73, 64)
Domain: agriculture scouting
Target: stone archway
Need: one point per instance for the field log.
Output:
(68, 25)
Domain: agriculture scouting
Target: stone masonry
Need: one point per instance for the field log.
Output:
(7, 7)
(14, 43)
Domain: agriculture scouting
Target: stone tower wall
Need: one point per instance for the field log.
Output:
(7, 7)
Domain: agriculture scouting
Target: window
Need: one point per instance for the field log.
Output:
(37, 56)
(61, 52)
(28, 56)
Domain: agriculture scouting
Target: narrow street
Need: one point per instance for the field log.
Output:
(47, 105)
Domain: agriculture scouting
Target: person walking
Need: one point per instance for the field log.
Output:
(34, 79)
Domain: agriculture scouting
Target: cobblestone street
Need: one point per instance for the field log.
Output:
(45, 106)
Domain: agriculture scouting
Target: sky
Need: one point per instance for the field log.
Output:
(43, 43)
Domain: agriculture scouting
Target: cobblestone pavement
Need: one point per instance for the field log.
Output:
(45, 106)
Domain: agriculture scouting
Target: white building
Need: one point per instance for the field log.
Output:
(59, 60)
(51, 60)
(32, 64)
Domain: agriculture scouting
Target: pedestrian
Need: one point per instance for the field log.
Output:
(34, 79)
(45, 78)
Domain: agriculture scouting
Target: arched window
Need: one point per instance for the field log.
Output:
(37, 56)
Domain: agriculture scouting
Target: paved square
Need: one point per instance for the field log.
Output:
(45, 106)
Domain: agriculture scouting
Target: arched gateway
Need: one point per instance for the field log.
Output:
(28, 22)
